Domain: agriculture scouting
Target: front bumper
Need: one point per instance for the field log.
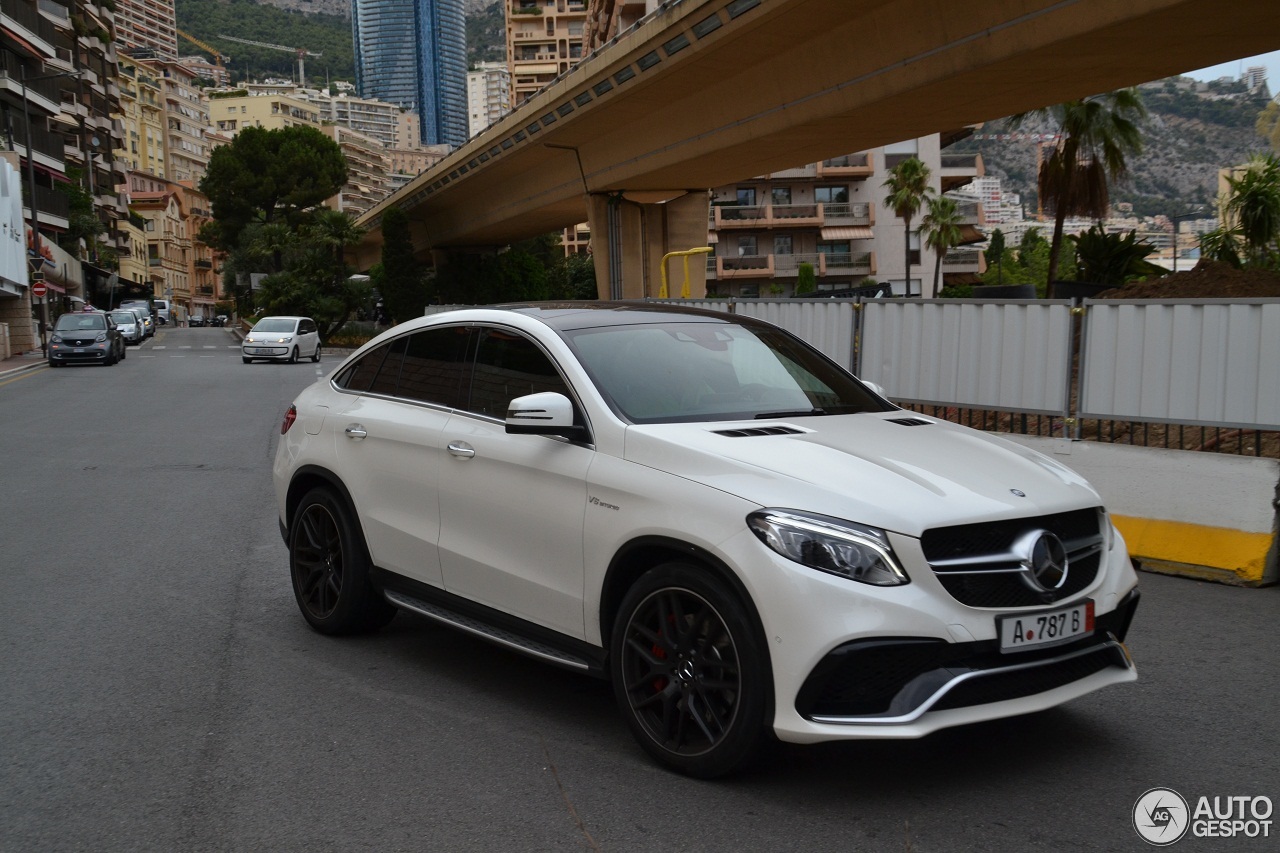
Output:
(92, 354)
(269, 351)
(853, 661)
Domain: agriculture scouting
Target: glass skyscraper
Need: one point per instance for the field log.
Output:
(414, 53)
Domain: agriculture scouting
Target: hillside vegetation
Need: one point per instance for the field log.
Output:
(328, 35)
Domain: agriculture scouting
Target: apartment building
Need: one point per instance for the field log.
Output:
(142, 115)
(148, 24)
(488, 94)
(186, 115)
(229, 115)
(545, 38)
(168, 236)
(369, 116)
(831, 217)
(367, 166)
(58, 92)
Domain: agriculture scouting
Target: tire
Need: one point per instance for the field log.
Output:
(293, 356)
(124, 353)
(689, 671)
(329, 566)
(315, 356)
(246, 360)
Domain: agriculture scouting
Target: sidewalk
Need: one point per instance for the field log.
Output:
(17, 363)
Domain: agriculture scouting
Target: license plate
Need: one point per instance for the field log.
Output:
(253, 350)
(1036, 630)
(79, 350)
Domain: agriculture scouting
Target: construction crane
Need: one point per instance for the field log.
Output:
(218, 56)
(300, 52)
(1040, 139)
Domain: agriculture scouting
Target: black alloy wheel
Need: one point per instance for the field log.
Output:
(330, 568)
(688, 671)
(293, 356)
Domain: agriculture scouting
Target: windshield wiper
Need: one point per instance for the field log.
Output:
(793, 413)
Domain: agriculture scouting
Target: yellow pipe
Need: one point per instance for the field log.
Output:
(684, 291)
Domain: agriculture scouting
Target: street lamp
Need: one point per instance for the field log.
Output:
(31, 191)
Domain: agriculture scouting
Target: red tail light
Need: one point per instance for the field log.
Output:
(289, 417)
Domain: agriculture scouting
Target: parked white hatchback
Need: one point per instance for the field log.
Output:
(281, 339)
(702, 508)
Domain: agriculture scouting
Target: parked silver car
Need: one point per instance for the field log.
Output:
(130, 324)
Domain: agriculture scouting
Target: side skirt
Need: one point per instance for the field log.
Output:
(492, 625)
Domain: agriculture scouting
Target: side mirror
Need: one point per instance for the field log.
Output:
(547, 413)
(874, 387)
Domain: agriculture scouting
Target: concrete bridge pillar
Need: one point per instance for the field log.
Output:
(632, 231)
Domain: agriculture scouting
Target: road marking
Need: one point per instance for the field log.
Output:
(24, 375)
(159, 346)
(177, 356)
(207, 346)
(187, 346)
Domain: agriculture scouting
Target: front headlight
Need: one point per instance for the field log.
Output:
(56, 339)
(844, 548)
(1106, 529)
(102, 338)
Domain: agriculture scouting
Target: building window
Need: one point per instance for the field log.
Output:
(746, 196)
(781, 195)
(834, 247)
(782, 244)
(831, 195)
(746, 246)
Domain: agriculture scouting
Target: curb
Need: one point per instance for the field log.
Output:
(9, 372)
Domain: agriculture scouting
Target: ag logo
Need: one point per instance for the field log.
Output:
(1161, 817)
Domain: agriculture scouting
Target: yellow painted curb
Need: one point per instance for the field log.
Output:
(1169, 545)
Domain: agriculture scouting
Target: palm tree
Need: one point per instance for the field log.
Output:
(1254, 205)
(942, 231)
(1097, 134)
(908, 186)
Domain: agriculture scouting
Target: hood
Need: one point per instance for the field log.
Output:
(876, 469)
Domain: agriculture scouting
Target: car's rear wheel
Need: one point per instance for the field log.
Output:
(688, 671)
(330, 568)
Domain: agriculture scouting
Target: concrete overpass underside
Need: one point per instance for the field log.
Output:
(707, 92)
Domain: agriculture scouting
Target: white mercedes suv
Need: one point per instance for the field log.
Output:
(735, 531)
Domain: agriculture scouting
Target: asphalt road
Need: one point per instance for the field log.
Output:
(159, 691)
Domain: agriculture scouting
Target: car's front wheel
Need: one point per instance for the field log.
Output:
(688, 671)
(330, 568)
(293, 356)
(315, 356)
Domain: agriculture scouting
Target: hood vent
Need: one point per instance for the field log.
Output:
(754, 431)
(909, 421)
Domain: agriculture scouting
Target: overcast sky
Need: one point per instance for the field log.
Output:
(1236, 68)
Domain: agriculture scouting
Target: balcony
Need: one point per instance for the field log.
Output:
(858, 213)
(766, 216)
(956, 170)
(849, 166)
(788, 266)
(203, 264)
(963, 261)
(747, 266)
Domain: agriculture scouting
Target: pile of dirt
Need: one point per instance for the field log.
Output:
(1207, 280)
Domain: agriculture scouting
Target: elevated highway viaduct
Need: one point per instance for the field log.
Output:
(706, 92)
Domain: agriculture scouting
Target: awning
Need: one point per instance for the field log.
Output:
(970, 234)
(847, 232)
(712, 238)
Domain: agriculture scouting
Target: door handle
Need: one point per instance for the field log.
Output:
(461, 449)
(356, 431)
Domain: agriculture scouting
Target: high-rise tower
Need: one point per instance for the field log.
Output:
(414, 53)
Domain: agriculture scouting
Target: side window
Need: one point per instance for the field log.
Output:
(434, 364)
(363, 374)
(509, 365)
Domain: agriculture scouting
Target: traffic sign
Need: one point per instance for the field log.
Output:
(38, 289)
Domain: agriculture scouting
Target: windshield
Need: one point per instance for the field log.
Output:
(128, 318)
(80, 322)
(274, 324)
(680, 372)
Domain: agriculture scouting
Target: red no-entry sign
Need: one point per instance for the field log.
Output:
(38, 289)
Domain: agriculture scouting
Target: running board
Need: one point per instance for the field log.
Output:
(484, 630)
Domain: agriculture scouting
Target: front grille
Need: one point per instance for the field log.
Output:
(863, 678)
(983, 575)
(1002, 686)
(746, 432)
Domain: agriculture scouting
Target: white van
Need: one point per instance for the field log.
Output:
(163, 314)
